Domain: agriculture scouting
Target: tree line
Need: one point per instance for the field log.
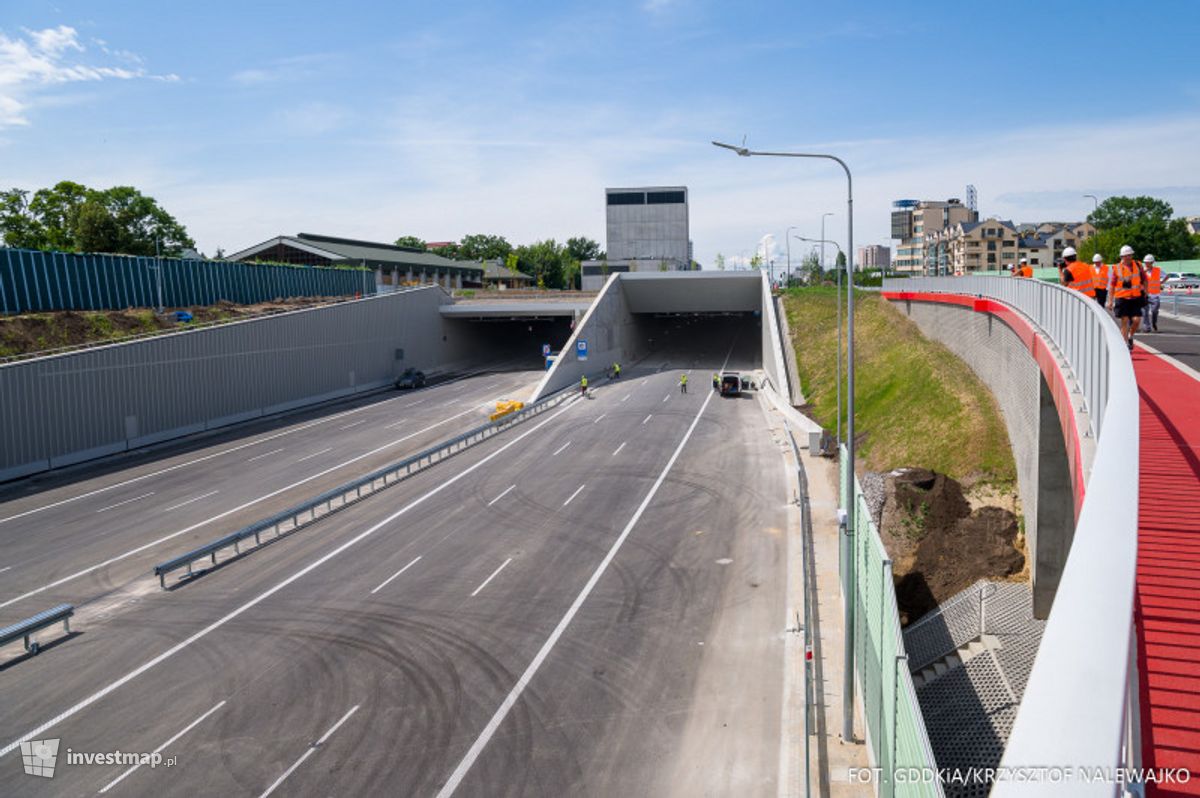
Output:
(551, 264)
(1144, 223)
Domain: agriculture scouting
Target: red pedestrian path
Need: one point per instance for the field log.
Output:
(1167, 604)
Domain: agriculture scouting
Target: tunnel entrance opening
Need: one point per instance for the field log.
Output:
(505, 344)
(704, 341)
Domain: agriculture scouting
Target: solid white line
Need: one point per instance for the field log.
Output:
(217, 624)
(619, 448)
(127, 501)
(5, 568)
(647, 418)
(393, 576)
(219, 516)
(354, 423)
(264, 454)
(414, 404)
(159, 750)
(667, 397)
(501, 496)
(394, 424)
(560, 448)
(467, 761)
(207, 457)
(573, 495)
(490, 578)
(311, 750)
(627, 396)
(314, 454)
(189, 501)
(597, 421)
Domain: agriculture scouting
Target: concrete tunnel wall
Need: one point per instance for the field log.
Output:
(1002, 361)
(82, 405)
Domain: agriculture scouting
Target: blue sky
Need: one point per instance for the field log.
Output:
(374, 120)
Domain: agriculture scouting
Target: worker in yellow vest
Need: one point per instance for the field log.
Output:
(1153, 291)
(683, 382)
(583, 385)
(1125, 294)
(1077, 275)
(1101, 282)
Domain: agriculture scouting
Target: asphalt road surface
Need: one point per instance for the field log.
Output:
(591, 604)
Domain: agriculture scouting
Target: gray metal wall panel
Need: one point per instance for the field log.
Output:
(74, 406)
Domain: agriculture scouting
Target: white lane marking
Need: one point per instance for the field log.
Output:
(414, 404)
(393, 576)
(490, 578)
(314, 454)
(501, 496)
(667, 398)
(264, 454)
(207, 457)
(224, 619)
(626, 396)
(190, 501)
(219, 516)
(394, 425)
(5, 568)
(560, 448)
(644, 381)
(619, 448)
(597, 421)
(159, 750)
(493, 386)
(481, 742)
(311, 750)
(127, 501)
(573, 495)
(647, 418)
(353, 423)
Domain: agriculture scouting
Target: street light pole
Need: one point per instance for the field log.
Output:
(848, 617)
(823, 252)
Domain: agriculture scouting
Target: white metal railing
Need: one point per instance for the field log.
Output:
(1080, 701)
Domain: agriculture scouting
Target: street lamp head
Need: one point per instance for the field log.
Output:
(742, 151)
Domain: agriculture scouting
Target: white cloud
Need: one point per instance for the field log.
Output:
(285, 70)
(42, 58)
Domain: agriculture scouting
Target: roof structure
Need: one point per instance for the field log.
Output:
(349, 251)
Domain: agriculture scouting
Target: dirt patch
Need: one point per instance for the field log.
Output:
(941, 542)
(31, 333)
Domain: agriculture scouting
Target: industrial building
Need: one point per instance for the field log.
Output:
(647, 230)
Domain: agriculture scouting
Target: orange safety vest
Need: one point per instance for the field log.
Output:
(1081, 278)
(1132, 273)
(1025, 271)
(1154, 281)
(1101, 281)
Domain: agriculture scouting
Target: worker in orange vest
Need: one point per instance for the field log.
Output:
(1125, 293)
(1024, 269)
(1153, 290)
(1101, 282)
(1077, 275)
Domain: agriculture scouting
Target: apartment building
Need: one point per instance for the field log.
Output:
(994, 244)
(914, 220)
(874, 256)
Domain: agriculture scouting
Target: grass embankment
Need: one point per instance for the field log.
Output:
(917, 404)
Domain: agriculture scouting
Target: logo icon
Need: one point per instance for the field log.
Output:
(39, 757)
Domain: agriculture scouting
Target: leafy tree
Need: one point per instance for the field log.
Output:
(1124, 211)
(841, 260)
(73, 217)
(663, 266)
(720, 262)
(447, 250)
(411, 241)
(582, 248)
(756, 262)
(571, 274)
(484, 247)
(810, 268)
(545, 261)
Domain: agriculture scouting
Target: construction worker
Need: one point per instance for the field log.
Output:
(716, 381)
(1024, 269)
(1153, 291)
(1100, 269)
(616, 371)
(583, 385)
(1125, 294)
(1077, 274)
(683, 382)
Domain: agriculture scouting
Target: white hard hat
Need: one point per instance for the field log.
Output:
(1149, 259)
(1069, 252)
(1024, 260)
(1126, 250)
(1097, 258)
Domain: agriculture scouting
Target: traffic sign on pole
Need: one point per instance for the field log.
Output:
(581, 349)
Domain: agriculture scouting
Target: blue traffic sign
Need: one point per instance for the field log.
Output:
(581, 349)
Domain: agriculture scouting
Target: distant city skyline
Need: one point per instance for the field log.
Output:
(440, 122)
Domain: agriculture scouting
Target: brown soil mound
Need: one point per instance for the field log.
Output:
(938, 544)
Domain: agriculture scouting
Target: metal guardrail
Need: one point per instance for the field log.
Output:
(26, 628)
(810, 598)
(331, 501)
(1085, 668)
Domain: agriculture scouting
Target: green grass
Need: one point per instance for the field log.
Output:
(917, 404)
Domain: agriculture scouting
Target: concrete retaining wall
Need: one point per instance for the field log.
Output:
(1004, 363)
(78, 406)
